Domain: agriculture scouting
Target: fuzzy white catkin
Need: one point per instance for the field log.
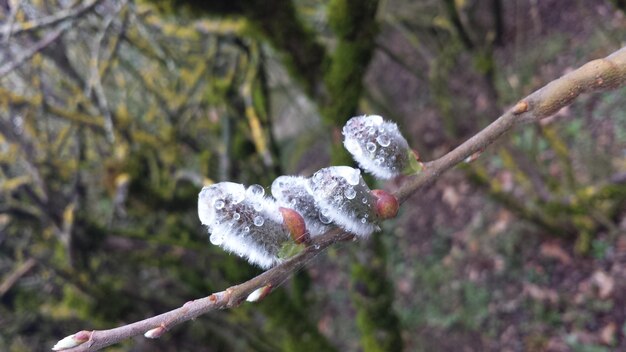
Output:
(344, 199)
(377, 146)
(250, 225)
(243, 221)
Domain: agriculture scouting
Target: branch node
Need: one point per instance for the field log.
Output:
(227, 297)
(212, 298)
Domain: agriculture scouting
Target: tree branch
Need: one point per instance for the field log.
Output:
(16, 275)
(39, 46)
(60, 16)
(597, 75)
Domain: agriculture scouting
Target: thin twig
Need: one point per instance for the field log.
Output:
(9, 25)
(63, 15)
(40, 45)
(95, 82)
(597, 75)
(16, 275)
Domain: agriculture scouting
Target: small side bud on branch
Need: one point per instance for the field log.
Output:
(379, 147)
(387, 205)
(246, 223)
(344, 199)
(259, 293)
(156, 332)
(520, 108)
(473, 157)
(72, 341)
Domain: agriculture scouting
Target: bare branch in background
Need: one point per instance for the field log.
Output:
(37, 47)
(60, 16)
(11, 21)
(95, 80)
(20, 271)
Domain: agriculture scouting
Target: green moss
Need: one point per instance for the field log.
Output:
(353, 20)
(355, 27)
(259, 100)
(343, 80)
(275, 20)
(279, 22)
(484, 62)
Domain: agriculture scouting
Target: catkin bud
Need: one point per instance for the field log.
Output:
(155, 333)
(72, 341)
(259, 293)
(246, 223)
(295, 225)
(344, 199)
(291, 192)
(379, 147)
(387, 205)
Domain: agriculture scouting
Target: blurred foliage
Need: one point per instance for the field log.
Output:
(114, 113)
(101, 189)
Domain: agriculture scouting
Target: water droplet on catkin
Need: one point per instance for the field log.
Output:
(383, 140)
(371, 147)
(258, 221)
(324, 218)
(216, 239)
(353, 176)
(353, 146)
(256, 190)
(350, 193)
(219, 204)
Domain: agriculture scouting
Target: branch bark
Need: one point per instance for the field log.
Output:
(598, 75)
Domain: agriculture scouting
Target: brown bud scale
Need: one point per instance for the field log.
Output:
(294, 223)
(387, 205)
